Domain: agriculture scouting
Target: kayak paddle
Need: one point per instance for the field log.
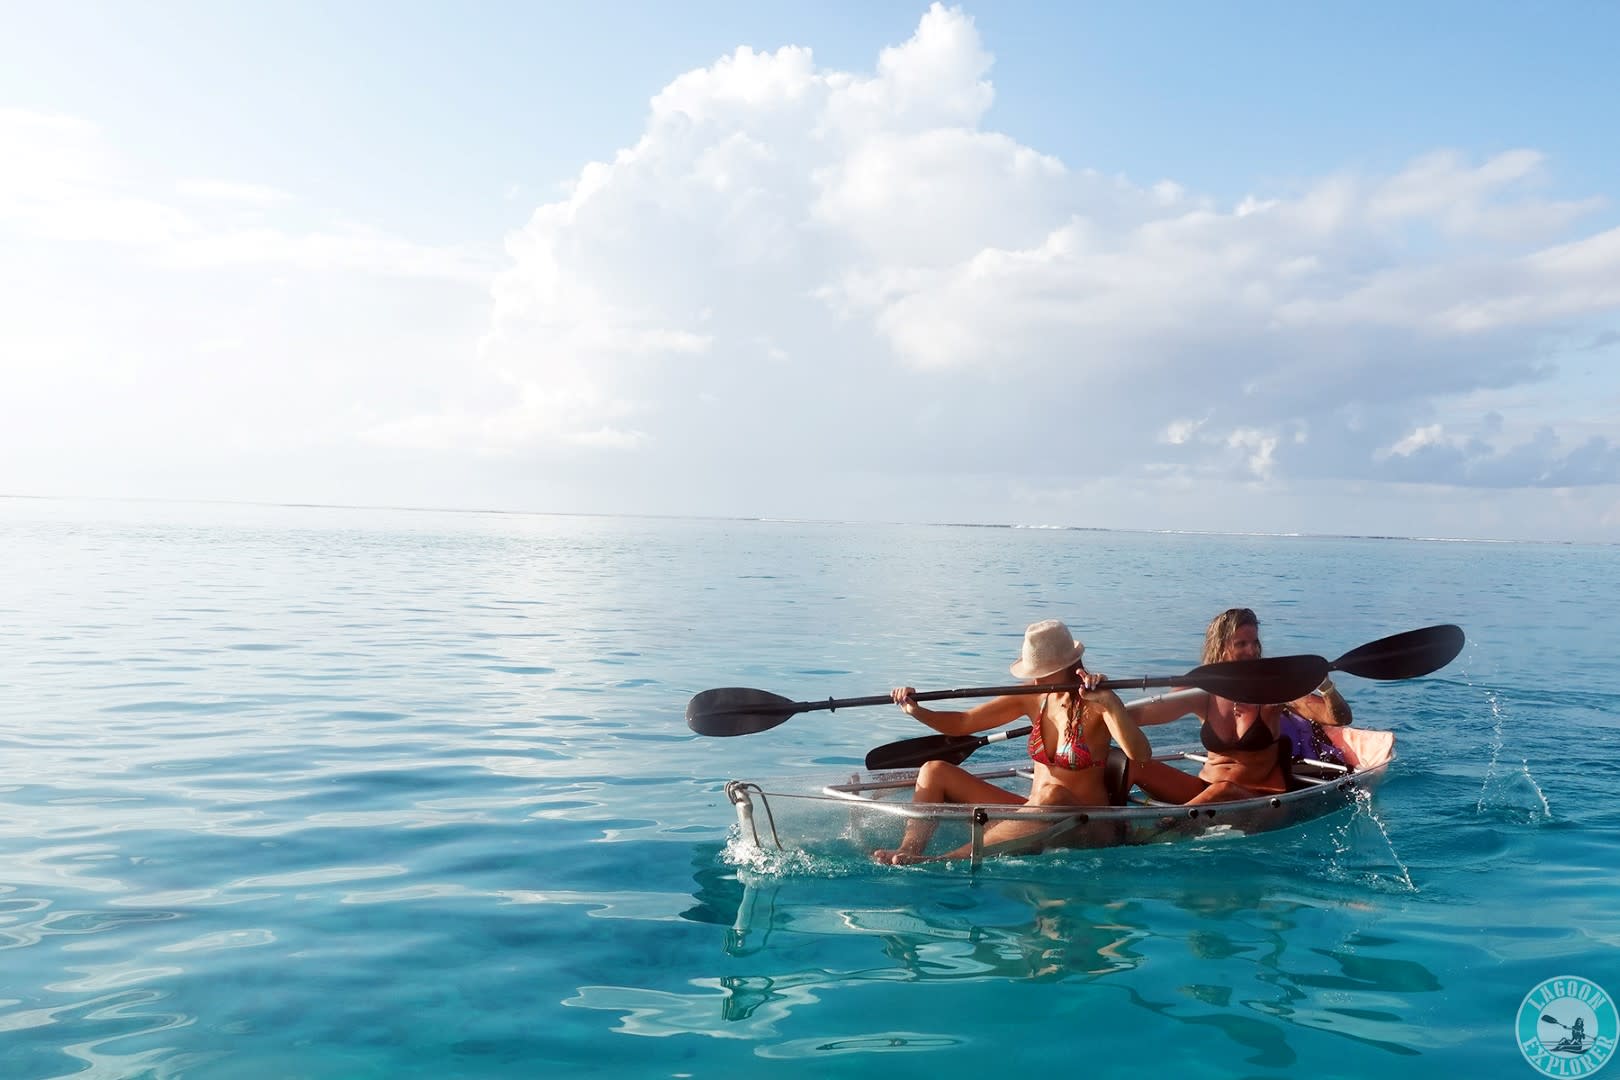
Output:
(1403, 656)
(1399, 656)
(738, 710)
(913, 753)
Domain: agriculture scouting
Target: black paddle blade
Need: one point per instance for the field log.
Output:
(1271, 681)
(1404, 656)
(913, 753)
(737, 710)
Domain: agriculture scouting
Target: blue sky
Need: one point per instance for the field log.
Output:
(1274, 267)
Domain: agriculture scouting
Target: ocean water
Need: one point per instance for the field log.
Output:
(310, 792)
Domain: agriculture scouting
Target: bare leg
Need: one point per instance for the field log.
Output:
(1228, 791)
(1001, 832)
(1221, 791)
(1167, 783)
(937, 782)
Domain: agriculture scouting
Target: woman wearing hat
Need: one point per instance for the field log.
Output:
(1068, 741)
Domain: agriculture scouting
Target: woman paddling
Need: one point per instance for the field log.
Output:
(1245, 758)
(1068, 743)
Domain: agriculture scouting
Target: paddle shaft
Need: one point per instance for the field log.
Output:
(834, 704)
(739, 710)
(1186, 694)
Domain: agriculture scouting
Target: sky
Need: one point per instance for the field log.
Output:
(1248, 267)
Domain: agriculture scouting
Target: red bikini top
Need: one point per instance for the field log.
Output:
(1072, 751)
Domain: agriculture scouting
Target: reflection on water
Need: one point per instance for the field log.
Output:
(1217, 941)
(115, 1003)
(1057, 937)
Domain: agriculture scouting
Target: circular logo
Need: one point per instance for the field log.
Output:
(1567, 1027)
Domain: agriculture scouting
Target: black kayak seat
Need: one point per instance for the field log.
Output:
(1117, 776)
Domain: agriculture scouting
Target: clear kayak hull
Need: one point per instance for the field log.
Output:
(871, 810)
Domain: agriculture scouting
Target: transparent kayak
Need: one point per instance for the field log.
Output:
(870, 810)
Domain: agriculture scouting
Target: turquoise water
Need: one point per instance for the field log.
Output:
(338, 793)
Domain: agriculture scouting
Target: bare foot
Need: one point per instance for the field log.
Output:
(897, 857)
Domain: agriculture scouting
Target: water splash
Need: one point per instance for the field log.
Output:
(1347, 853)
(1511, 792)
(744, 854)
(1365, 809)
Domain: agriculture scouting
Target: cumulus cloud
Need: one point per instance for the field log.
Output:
(785, 245)
(1543, 460)
(831, 286)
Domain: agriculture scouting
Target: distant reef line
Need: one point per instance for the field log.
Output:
(774, 520)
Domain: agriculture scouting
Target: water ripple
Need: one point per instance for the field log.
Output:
(329, 794)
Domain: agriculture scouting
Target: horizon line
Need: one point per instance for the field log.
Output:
(771, 519)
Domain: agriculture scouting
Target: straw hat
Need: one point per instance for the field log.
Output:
(1048, 647)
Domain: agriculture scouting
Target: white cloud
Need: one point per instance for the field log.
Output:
(1432, 435)
(1444, 190)
(1259, 449)
(919, 265)
(835, 286)
(1180, 432)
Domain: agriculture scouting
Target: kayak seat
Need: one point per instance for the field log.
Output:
(1117, 776)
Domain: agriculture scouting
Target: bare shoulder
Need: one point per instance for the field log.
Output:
(1008, 707)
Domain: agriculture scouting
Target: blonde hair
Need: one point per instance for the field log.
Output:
(1221, 629)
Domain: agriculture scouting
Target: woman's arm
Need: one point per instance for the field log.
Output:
(1167, 707)
(1325, 705)
(1122, 725)
(996, 712)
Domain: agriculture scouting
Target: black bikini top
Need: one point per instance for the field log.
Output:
(1258, 737)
